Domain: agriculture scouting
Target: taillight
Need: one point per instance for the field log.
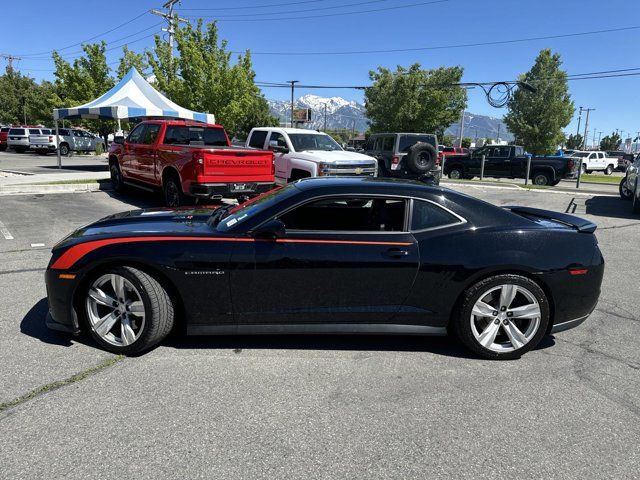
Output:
(273, 165)
(395, 162)
(199, 159)
(570, 164)
(51, 138)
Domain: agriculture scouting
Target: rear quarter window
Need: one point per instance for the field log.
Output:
(258, 138)
(426, 215)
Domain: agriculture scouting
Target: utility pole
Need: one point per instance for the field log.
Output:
(498, 137)
(172, 20)
(579, 118)
(461, 128)
(599, 138)
(325, 117)
(293, 86)
(9, 58)
(594, 136)
(586, 126)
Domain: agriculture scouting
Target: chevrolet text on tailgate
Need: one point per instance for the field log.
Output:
(188, 159)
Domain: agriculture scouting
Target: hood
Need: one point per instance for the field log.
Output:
(167, 221)
(338, 156)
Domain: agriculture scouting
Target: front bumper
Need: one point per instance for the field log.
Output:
(62, 315)
(229, 190)
(51, 323)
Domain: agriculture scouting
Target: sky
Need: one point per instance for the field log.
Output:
(308, 26)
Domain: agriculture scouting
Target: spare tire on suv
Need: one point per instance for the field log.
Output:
(421, 158)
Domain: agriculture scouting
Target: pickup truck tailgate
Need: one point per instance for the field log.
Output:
(238, 164)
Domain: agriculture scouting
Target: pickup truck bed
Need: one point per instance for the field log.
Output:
(189, 159)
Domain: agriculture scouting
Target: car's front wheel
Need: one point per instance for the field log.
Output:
(625, 191)
(502, 317)
(455, 173)
(635, 206)
(127, 311)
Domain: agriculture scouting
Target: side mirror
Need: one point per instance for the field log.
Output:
(119, 140)
(273, 145)
(274, 228)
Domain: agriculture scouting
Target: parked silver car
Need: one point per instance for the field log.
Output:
(70, 139)
(18, 138)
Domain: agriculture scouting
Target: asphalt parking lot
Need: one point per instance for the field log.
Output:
(316, 407)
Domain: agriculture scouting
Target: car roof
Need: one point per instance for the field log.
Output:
(401, 133)
(177, 121)
(289, 130)
(370, 184)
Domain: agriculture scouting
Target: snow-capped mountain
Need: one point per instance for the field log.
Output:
(342, 113)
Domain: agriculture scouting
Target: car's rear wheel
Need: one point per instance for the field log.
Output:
(127, 311)
(455, 173)
(173, 195)
(608, 170)
(541, 178)
(64, 149)
(625, 191)
(502, 317)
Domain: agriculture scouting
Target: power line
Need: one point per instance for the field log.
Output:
(88, 39)
(268, 5)
(453, 46)
(262, 19)
(334, 7)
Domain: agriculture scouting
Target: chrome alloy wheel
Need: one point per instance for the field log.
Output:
(115, 310)
(505, 318)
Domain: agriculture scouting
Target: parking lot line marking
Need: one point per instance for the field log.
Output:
(34, 245)
(5, 232)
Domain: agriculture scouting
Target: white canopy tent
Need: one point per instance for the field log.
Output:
(132, 97)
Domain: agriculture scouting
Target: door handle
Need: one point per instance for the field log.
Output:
(396, 253)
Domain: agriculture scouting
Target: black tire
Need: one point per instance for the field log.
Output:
(173, 195)
(456, 173)
(635, 206)
(116, 177)
(64, 150)
(461, 320)
(159, 312)
(3, 148)
(541, 178)
(608, 170)
(584, 168)
(421, 158)
(625, 192)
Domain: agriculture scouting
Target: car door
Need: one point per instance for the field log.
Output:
(497, 162)
(129, 162)
(280, 158)
(146, 153)
(342, 259)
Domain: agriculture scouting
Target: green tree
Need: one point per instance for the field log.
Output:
(340, 135)
(537, 118)
(611, 142)
(414, 100)
(131, 60)
(466, 142)
(574, 142)
(85, 80)
(447, 140)
(22, 99)
(204, 78)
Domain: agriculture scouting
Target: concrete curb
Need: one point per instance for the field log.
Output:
(51, 189)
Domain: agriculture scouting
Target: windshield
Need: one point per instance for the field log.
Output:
(227, 217)
(311, 141)
(581, 154)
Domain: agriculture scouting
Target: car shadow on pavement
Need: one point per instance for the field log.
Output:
(78, 168)
(612, 207)
(33, 325)
(446, 346)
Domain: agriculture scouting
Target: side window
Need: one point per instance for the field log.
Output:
(387, 144)
(77, 133)
(257, 139)
(503, 152)
(427, 215)
(371, 143)
(150, 134)
(176, 135)
(34, 131)
(592, 156)
(600, 155)
(278, 137)
(136, 135)
(352, 214)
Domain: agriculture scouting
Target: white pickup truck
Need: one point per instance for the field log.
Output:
(71, 139)
(596, 161)
(300, 153)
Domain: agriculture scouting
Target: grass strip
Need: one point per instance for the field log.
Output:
(588, 178)
(49, 387)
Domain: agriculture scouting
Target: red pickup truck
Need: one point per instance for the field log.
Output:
(188, 159)
(4, 133)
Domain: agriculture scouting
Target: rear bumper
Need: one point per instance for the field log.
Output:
(229, 190)
(49, 148)
(569, 324)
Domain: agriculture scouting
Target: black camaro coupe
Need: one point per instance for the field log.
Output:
(322, 255)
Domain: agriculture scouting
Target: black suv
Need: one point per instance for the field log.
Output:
(405, 155)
